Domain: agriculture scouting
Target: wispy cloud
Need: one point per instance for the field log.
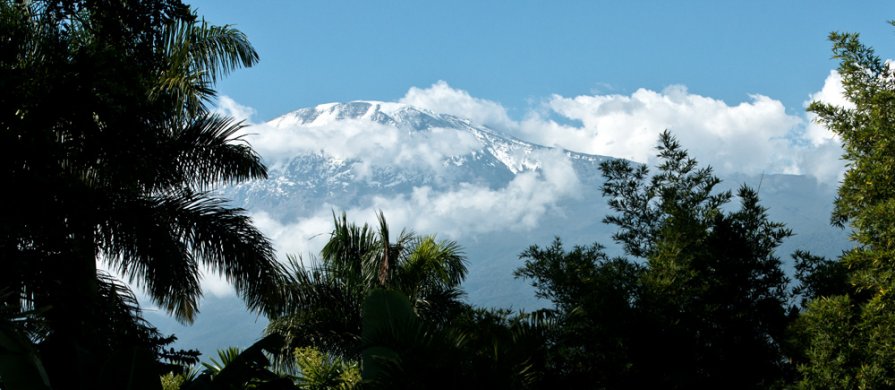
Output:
(228, 107)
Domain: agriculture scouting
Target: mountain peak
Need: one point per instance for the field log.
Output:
(387, 113)
(420, 130)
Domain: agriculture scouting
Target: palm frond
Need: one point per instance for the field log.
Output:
(248, 369)
(163, 239)
(220, 49)
(225, 356)
(123, 317)
(225, 241)
(20, 364)
(207, 151)
(200, 54)
(142, 241)
(321, 310)
(352, 252)
(440, 262)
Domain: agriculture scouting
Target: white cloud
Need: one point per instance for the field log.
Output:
(228, 107)
(443, 99)
(754, 136)
(832, 93)
(749, 137)
(302, 237)
(216, 285)
(517, 206)
(462, 211)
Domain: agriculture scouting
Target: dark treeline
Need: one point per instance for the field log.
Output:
(109, 153)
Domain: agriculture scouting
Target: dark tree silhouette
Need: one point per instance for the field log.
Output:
(705, 303)
(325, 298)
(109, 153)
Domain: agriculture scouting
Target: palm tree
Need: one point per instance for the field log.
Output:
(112, 154)
(324, 304)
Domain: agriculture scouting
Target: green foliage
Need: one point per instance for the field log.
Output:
(325, 301)
(708, 307)
(198, 55)
(833, 350)
(714, 285)
(225, 357)
(393, 306)
(568, 278)
(394, 339)
(321, 371)
(819, 277)
(849, 330)
(172, 381)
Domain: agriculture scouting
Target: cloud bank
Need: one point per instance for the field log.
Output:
(753, 137)
(459, 211)
(453, 212)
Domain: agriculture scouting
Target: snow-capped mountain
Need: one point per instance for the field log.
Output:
(442, 174)
(422, 148)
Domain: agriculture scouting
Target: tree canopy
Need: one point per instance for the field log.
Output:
(849, 331)
(703, 302)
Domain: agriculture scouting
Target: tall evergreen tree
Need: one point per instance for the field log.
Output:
(850, 336)
(705, 304)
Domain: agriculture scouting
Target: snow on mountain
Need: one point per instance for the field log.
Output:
(343, 154)
(514, 154)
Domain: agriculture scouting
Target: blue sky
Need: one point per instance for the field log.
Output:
(729, 79)
(521, 52)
